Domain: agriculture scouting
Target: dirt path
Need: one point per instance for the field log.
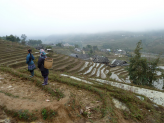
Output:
(24, 95)
(23, 89)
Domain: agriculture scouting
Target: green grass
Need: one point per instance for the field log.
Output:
(48, 114)
(9, 94)
(22, 115)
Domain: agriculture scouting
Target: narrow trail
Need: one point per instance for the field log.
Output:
(27, 95)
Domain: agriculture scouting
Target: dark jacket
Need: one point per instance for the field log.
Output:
(28, 59)
(41, 66)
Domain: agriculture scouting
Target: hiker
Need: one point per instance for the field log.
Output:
(43, 70)
(29, 61)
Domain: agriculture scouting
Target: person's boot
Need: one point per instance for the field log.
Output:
(44, 83)
(31, 76)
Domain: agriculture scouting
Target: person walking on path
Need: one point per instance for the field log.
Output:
(43, 70)
(29, 61)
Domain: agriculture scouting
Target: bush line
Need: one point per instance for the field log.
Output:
(22, 115)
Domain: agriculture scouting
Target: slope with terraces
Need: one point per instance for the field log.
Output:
(78, 91)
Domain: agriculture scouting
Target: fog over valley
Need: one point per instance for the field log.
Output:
(105, 23)
(44, 18)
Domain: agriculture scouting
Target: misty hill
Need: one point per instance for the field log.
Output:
(153, 41)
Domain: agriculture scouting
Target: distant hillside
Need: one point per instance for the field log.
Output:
(153, 41)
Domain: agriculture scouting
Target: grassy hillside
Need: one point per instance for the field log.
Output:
(73, 98)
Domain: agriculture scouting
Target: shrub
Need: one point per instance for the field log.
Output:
(141, 71)
(48, 114)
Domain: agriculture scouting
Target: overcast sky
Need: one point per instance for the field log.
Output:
(46, 17)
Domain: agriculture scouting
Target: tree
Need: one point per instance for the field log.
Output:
(48, 47)
(89, 46)
(23, 42)
(95, 48)
(17, 39)
(91, 51)
(3, 38)
(12, 38)
(59, 44)
(34, 42)
(76, 46)
(84, 48)
(23, 36)
(141, 71)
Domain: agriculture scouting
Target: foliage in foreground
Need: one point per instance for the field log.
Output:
(141, 71)
(23, 115)
(48, 114)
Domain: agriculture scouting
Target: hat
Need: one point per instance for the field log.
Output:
(42, 52)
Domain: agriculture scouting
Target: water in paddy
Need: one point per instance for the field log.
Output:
(157, 84)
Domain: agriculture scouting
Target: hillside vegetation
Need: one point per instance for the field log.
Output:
(153, 41)
(78, 92)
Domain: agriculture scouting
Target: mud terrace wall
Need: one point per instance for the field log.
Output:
(118, 73)
(98, 71)
(75, 78)
(85, 65)
(155, 96)
(90, 69)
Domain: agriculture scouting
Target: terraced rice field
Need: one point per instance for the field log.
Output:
(78, 92)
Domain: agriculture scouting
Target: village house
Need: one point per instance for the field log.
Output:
(100, 59)
(77, 50)
(49, 50)
(120, 52)
(67, 45)
(81, 56)
(105, 50)
(39, 47)
(116, 62)
(53, 45)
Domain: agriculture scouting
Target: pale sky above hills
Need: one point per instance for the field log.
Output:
(46, 17)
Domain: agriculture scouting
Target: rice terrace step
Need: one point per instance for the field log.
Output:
(78, 91)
